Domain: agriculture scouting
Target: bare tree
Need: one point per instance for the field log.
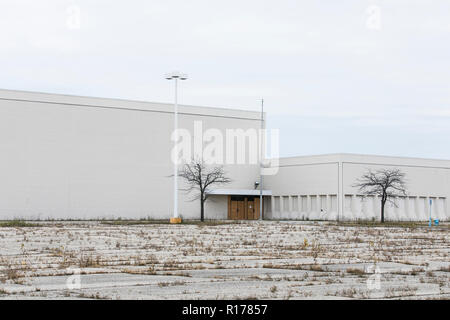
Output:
(199, 177)
(385, 183)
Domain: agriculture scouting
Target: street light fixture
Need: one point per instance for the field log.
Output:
(175, 76)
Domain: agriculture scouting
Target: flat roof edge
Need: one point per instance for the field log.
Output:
(239, 192)
(363, 158)
(117, 103)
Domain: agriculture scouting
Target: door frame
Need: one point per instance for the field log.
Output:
(245, 200)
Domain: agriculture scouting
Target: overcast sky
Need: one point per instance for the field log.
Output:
(337, 76)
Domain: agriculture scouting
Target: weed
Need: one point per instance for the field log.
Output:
(17, 224)
(355, 271)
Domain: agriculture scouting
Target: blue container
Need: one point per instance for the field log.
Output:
(436, 222)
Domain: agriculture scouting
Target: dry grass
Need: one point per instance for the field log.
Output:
(18, 224)
(295, 256)
(120, 222)
(356, 271)
(389, 224)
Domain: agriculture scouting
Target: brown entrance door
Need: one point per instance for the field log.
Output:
(233, 210)
(236, 207)
(243, 208)
(250, 210)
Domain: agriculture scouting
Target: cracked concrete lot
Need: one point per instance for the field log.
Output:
(224, 260)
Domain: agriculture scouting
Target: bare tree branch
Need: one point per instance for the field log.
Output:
(198, 177)
(385, 183)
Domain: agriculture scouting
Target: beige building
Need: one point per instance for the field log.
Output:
(70, 157)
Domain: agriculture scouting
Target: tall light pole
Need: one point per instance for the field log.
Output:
(261, 155)
(175, 76)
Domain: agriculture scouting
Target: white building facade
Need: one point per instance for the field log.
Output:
(322, 188)
(70, 157)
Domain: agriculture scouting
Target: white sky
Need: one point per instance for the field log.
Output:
(334, 77)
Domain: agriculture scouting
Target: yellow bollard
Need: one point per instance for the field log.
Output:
(175, 220)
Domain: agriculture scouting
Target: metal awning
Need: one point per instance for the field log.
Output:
(239, 192)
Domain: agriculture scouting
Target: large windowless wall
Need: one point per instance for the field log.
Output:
(76, 157)
(305, 188)
(321, 187)
(425, 180)
(68, 157)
